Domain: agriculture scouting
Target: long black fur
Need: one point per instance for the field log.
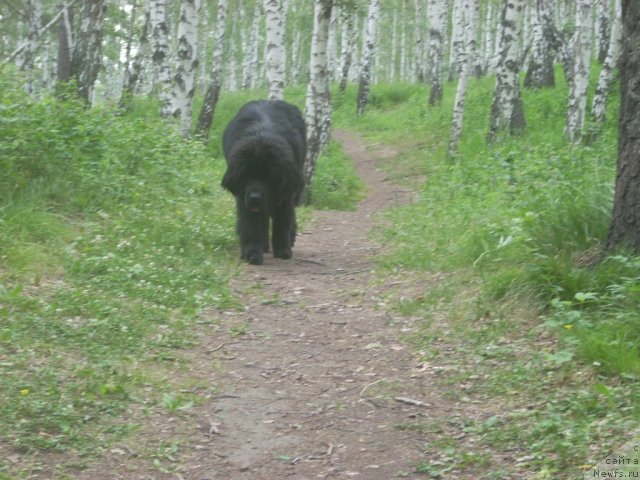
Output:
(265, 146)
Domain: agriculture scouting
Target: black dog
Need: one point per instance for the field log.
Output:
(265, 146)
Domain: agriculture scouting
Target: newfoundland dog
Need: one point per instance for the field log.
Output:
(265, 146)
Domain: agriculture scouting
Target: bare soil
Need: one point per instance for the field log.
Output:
(312, 380)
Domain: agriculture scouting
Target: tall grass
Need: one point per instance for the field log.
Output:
(529, 213)
(115, 237)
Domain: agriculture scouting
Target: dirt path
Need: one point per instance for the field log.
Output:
(311, 384)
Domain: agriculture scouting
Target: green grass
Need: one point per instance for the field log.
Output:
(115, 238)
(513, 230)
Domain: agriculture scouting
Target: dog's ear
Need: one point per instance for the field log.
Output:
(287, 179)
(233, 179)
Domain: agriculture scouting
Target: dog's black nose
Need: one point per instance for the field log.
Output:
(255, 196)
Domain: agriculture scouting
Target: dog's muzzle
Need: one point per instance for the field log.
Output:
(254, 201)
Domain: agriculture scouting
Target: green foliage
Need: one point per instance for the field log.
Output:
(115, 237)
(515, 231)
(336, 185)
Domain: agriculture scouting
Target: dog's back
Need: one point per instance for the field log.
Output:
(267, 118)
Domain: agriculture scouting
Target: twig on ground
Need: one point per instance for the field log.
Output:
(411, 401)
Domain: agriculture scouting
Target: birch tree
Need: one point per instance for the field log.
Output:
(507, 111)
(133, 72)
(581, 63)
(602, 29)
(160, 46)
(184, 81)
(469, 13)
(419, 43)
(437, 12)
(250, 61)
(625, 220)
(86, 59)
(605, 80)
(456, 40)
(540, 72)
(368, 56)
(65, 45)
(215, 83)
(26, 59)
(274, 16)
(317, 112)
(347, 45)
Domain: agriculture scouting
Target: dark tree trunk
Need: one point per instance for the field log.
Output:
(625, 224)
(64, 45)
(205, 118)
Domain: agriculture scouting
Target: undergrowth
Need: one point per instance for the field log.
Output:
(116, 242)
(516, 229)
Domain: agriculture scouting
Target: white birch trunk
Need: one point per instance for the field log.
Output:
(602, 29)
(581, 63)
(437, 11)
(404, 48)
(540, 72)
(185, 77)
(368, 56)
(347, 46)
(250, 59)
(215, 81)
(332, 44)
(488, 50)
(467, 61)
(605, 80)
(160, 47)
(274, 15)
(507, 112)
(457, 40)
(86, 59)
(26, 59)
(394, 46)
(419, 42)
(317, 112)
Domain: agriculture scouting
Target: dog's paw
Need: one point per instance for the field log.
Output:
(255, 258)
(285, 253)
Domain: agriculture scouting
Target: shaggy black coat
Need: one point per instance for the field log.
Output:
(265, 146)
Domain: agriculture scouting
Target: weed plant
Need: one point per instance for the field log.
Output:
(115, 239)
(517, 228)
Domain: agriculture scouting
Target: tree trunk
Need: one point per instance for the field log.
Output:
(86, 60)
(507, 112)
(625, 225)
(581, 63)
(317, 112)
(212, 94)
(160, 38)
(26, 59)
(348, 42)
(368, 56)
(419, 43)
(133, 73)
(467, 60)
(65, 44)
(250, 59)
(437, 11)
(184, 83)
(602, 29)
(601, 95)
(540, 71)
(275, 49)
(457, 40)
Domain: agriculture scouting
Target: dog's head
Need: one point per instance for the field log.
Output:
(259, 173)
(256, 196)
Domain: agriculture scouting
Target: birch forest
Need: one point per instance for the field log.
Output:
(463, 298)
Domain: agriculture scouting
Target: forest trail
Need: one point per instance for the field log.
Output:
(313, 381)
